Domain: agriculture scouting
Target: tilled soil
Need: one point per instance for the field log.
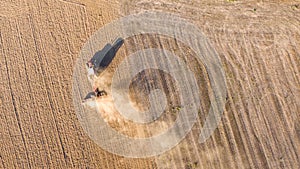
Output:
(259, 47)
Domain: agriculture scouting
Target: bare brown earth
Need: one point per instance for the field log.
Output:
(259, 46)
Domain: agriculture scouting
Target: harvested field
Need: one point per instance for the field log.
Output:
(258, 43)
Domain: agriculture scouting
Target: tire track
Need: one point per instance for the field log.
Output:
(261, 57)
(40, 53)
(17, 108)
(6, 158)
(254, 78)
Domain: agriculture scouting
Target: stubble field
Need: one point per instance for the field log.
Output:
(259, 47)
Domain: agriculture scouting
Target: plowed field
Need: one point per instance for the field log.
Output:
(258, 43)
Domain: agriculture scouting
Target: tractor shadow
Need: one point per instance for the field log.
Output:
(89, 95)
(104, 57)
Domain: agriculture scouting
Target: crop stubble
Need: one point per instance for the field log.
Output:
(259, 49)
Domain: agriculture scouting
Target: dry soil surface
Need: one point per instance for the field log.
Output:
(259, 46)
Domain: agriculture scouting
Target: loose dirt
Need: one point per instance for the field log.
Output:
(259, 46)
